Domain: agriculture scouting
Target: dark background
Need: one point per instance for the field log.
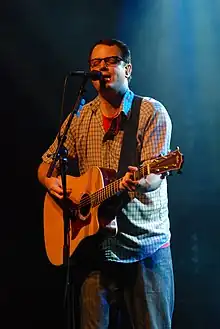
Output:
(175, 47)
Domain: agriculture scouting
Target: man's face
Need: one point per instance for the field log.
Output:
(114, 70)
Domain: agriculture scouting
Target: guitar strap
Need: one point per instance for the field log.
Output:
(131, 148)
(129, 156)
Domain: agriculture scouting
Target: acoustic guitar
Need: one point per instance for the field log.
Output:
(90, 191)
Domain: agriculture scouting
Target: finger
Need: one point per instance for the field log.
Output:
(59, 181)
(133, 184)
(123, 186)
(68, 191)
(129, 185)
(56, 190)
(132, 168)
(57, 195)
(126, 187)
(60, 195)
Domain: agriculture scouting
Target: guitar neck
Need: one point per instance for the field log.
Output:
(113, 188)
(173, 161)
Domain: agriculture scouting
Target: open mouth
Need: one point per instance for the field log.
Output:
(107, 77)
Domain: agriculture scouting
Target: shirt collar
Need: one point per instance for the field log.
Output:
(125, 104)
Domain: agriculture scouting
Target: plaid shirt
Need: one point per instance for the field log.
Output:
(143, 224)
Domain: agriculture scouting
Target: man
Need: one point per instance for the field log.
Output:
(133, 268)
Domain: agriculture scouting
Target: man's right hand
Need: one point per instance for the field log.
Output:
(54, 186)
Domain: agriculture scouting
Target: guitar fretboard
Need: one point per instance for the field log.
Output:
(113, 188)
(163, 164)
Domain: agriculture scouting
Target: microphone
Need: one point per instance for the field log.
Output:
(94, 75)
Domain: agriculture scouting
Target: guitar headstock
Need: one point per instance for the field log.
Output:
(173, 161)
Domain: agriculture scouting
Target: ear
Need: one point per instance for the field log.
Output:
(128, 70)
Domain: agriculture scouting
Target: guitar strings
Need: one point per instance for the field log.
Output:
(112, 188)
(100, 195)
(108, 191)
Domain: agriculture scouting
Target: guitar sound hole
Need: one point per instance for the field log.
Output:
(85, 205)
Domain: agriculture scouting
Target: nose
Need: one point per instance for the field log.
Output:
(103, 64)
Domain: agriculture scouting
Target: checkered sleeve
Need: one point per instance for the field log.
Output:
(69, 142)
(157, 135)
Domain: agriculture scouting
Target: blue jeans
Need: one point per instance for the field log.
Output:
(137, 295)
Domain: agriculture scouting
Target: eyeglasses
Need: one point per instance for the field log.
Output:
(109, 61)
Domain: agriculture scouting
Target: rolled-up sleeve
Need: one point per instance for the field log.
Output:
(157, 135)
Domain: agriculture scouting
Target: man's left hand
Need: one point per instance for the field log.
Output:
(128, 182)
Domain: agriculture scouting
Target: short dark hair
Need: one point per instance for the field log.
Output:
(125, 51)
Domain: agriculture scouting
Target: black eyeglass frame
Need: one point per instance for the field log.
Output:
(107, 60)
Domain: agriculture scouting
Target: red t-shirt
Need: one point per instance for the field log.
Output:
(106, 122)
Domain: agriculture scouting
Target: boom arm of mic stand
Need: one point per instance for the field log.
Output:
(59, 151)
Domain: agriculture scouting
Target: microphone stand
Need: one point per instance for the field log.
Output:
(61, 155)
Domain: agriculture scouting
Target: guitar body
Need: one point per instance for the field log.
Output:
(84, 221)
